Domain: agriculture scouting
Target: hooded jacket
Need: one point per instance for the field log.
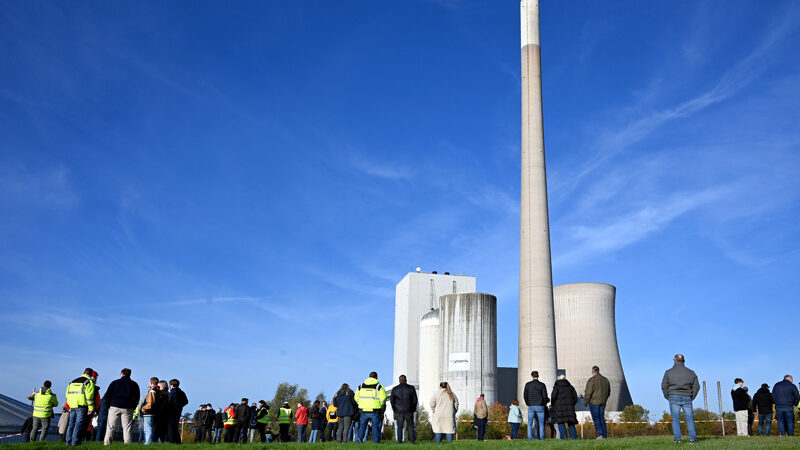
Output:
(563, 398)
(740, 399)
(762, 401)
(345, 402)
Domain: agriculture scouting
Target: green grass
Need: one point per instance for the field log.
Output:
(629, 442)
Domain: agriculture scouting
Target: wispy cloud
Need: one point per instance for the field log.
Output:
(49, 188)
(380, 170)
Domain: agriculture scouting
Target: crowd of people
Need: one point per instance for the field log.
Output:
(355, 415)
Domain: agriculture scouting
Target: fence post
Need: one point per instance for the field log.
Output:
(705, 396)
(721, 416)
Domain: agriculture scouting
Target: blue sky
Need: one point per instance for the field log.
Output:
(227, 194)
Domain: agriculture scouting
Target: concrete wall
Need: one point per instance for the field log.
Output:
(430, 351)
(586, 336)
(413, 298)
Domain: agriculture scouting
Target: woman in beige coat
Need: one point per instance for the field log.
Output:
(443, 409)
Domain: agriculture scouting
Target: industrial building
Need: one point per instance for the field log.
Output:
(446, 331)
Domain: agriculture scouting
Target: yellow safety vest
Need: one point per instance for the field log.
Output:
(333, 410)
(229, 419)
(43, 403)
(285, 415)
(370, 395)
(264, 419)
(81, 393)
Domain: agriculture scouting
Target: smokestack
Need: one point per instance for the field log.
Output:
(537, 334)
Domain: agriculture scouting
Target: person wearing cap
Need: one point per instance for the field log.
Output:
(80, 399)
(284, 420)
(762, 405)
(43, 402)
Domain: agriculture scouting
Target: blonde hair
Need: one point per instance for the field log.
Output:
(444, 385)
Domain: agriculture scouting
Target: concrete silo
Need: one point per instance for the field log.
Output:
(469, 346)
(430, 350)
(586, 336)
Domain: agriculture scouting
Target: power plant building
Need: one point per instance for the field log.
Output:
(586, 335)
(415, 295)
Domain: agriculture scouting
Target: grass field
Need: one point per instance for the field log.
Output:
(629, 442)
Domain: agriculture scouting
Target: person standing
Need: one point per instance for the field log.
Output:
(514, 418)
(563, 400)
(242, 421)
(148, 407)
(43, 402)
(598, 389)
(345, 407)
(121, 397)
(177, 400)
(284, 421)
(751, 417)
(444, 406)
(680, 387)
(262, 420)
(162, 413)
(371, 398)
(740, 398)
(80, 398)
(251, 426)
(404, 404)
(200, 424)
(786, 397)
(231, 430)
(316, 421)
(762, 405)
(323, 410)
(481, 412)
(535, 395)
(301, 414)
(333, 421)
(218, 426)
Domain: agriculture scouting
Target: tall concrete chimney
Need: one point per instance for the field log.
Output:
(537, 333)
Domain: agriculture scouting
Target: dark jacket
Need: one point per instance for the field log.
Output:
(784, 393)
(253, 414)
(535, 393)
(680, 380)
(177, 400)
(316, 418)
(242, 414)
(122, 393)
(162, 410)
(219, 420)
(563, 400)
(740, 399)
(345, 401)
(403, 399)
(762, 401)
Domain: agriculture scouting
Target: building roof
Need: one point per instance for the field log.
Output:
(13, 413)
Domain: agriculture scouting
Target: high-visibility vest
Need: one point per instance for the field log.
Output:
(80, 393)
(229, 418)
(264, 419)
(370, 395)
(285, 415)
(43, 403)
(333, 415)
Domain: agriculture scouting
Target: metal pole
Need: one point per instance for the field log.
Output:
(721, 417)
(705, 396)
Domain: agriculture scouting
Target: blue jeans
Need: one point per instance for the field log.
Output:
(313, 437)
(562, 430)
(514, 430)
(438, 437)
(599, 418)
(376, 426)
(785, 416)
(76, 425)
(353, 433)
(764, 424)
(301, 433)
(538, 413)
(678, 403)
(147, 423)
(100, 430)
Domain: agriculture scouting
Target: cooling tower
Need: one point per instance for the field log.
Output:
(586, 336)
(537, 336)
(430, 350)
(469, 346)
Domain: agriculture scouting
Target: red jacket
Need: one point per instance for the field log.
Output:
(302, 415)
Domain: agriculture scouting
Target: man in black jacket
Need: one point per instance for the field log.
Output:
(535, 395)
(200, 423)
(404, 405)
(740, 400)
(177, 400)
(242, 421)
(121, 398)
(762, 405)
